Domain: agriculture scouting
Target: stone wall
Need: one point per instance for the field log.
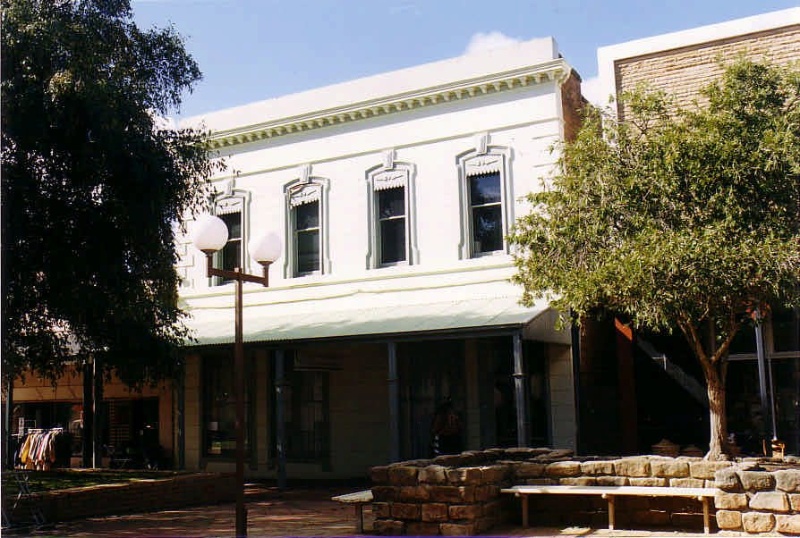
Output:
(756, 499)
(126, 498)
(460, 494)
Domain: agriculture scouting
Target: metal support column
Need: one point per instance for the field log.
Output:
(239, 383)
(8, 447)
(762, 373)
(280, 420)
(88, 415)
(394, 405)
(520, 394)
(575, 355)
(181, 420)
(97, 414)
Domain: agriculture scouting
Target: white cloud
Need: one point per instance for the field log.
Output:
(593, 92)
(483, 41)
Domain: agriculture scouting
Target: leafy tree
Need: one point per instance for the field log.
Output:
(92, 186)
(677, 218)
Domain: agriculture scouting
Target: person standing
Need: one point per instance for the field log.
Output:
(446, 429)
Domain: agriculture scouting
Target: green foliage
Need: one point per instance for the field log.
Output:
(92, 187)
(682, 218)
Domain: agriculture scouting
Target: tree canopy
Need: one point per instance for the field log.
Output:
(676, 218)
(93, 187)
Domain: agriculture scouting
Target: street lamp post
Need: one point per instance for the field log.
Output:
(211, 234)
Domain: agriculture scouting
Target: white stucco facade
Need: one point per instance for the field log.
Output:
(430, 129)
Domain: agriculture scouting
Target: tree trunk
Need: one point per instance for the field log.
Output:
(718, 419)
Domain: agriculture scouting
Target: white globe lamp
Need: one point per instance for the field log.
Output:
(265, 248)
(209, 233)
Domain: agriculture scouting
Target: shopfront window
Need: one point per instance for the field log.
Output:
(219, 407)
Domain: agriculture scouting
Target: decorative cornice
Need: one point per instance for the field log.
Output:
(553, 71)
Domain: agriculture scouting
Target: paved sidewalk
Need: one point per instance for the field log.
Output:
(295, 512)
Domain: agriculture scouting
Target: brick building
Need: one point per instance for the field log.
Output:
(680, 64)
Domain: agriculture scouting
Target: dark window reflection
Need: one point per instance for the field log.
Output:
(786, 330)
(392, 225)
(487, 228)
(307, 238)
(487, 213)
(485, 189)
(231, 253)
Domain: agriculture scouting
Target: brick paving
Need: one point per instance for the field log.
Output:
(294, 512)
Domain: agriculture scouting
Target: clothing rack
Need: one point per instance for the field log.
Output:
(38, 448)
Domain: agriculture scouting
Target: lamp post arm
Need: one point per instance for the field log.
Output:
(237, 275)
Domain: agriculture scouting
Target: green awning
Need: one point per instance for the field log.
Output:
(380, 315)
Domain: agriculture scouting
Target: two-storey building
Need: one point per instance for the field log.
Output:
(393, 195)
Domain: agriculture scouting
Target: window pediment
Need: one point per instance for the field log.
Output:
(305, 193)
(484, 164)
(389, 179)
(230, 204)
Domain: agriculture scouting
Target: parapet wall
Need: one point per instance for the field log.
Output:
(460, 494)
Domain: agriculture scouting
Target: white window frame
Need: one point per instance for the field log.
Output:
(225, 203)
(303, 190)
(386, 176)
(484, 159)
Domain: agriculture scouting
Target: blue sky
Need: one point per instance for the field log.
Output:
(250, 50)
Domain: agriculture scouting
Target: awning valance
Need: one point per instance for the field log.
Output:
(365, 316)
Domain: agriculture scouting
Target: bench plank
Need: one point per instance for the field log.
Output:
(644, 491)
(359, 499)
(364, 496)
(611, 492)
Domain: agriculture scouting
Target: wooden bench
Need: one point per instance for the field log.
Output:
(358, 499)
(610, 493)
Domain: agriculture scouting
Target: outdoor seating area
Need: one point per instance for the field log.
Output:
(477, 491)
(610, 493)
(358, 499)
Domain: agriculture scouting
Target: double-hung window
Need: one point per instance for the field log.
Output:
(307, 238)
(231, 253)
(486, 212)
(486, 208)
(232, 206)
(392, 230)
(306, 227)
(392, 225)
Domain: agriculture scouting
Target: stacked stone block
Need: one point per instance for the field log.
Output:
(755, 500)
(432, 497)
